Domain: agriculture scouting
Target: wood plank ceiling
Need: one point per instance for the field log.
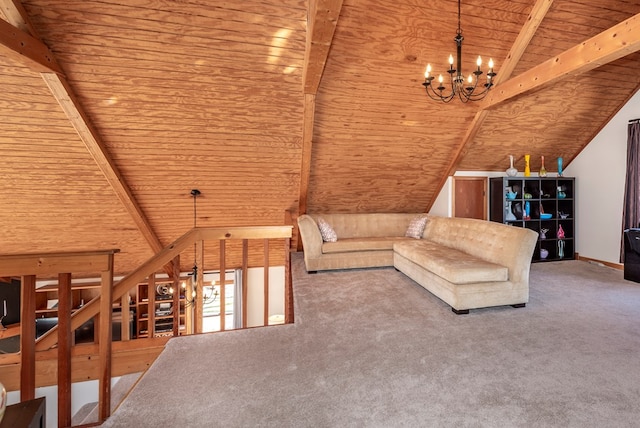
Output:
(264, 112)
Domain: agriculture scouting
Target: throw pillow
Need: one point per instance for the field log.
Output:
(416, 227)
(327, 232)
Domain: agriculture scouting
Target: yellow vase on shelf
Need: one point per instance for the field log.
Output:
(527, 167)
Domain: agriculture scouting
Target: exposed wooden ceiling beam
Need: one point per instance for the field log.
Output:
(612, 44)
(14, 11)
(62, 92)
(521, 43)
(25, 49)
(65, 96)
(538, 12)
(321, 24)
(305, 169)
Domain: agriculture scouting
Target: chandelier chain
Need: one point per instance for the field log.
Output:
(194, 272)
(459, 26)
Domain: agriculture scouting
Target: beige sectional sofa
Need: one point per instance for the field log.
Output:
(364, 240)
(465, 262)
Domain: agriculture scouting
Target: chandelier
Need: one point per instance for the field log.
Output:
(194, 270)
(464, 89)
(190, 300)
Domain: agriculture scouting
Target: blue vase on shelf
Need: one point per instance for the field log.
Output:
(559, 167)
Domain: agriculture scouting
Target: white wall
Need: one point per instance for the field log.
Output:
(442, 205)
(255, 295)
(600, 171)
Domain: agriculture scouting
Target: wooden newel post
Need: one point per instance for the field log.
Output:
(266, 283)
(176, 296)
(105, 337)
(288, 288)
(28, 339)
(64, 349)
(199, 302)
(223, 277)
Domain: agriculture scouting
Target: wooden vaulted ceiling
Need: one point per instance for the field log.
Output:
(112, 111)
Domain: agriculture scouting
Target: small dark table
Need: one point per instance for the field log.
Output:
(28, 414)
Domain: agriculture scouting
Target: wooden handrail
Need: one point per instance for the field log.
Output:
(54, 263)
(156, 262)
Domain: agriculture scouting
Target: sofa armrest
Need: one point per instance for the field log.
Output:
(310, 234)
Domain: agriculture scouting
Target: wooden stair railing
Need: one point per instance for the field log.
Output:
(155, 263)
(62, 265)
(102, 261)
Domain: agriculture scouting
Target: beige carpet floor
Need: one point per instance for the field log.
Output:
(371, 348)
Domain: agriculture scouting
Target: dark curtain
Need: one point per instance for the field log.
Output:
(631, 208)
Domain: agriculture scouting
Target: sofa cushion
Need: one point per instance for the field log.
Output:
(453, 265)
(327, 232)
(416, 227)
(361, 244)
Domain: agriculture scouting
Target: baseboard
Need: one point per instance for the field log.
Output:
(618, 266)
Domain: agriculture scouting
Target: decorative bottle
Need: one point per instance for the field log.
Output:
(560, 234)
(559, 167)
(511, 171)
(527, 168)
(509, 216)
(543, 171)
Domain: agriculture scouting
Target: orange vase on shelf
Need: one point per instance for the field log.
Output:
(527, 167)
(543, 171)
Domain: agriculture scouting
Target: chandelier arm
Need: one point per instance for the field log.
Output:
(468, 93)
(473, 96)
(438, 96)
(465, 97)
